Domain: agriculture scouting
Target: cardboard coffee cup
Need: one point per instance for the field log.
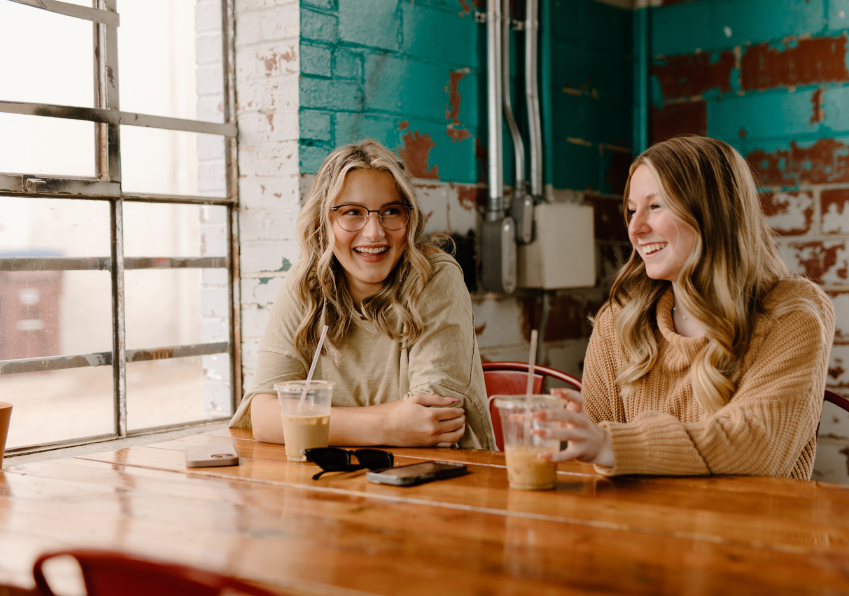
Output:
(5, 417)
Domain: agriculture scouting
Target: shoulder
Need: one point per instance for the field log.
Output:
(797, 288)
(603, 322)
(444, 269)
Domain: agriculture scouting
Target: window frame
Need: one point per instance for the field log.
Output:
(106, 186)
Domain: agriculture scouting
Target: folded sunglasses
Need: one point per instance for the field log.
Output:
(336, 459)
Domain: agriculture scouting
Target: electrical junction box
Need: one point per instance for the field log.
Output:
(562, 254)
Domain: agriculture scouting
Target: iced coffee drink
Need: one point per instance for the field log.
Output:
(305, 413)
(525, 470)
(305, 432)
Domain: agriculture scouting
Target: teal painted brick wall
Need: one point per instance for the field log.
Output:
(405, 73)
(587, 97)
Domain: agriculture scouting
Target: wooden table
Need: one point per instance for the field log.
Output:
(266, 521)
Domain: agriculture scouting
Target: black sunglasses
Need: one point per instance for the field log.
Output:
(335, 459)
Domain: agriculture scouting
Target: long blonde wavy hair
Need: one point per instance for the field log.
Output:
(708, 187)
(320, 289)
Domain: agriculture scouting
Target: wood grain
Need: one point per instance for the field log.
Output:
(266, 521)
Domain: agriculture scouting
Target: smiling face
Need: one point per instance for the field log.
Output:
(661, 239)
(368, 255)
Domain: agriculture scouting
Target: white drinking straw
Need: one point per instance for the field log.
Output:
(312, 367)
(532, 356)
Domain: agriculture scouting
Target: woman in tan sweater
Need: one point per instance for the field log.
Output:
(401, 343)
(709, 357)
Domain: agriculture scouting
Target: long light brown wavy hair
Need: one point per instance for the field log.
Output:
(707, 186)
(320, 288)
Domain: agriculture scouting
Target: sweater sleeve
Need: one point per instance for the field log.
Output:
(764, 427)
(600, 369)
(276, 360)
(444, 360)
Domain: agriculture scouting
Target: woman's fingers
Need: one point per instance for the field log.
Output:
(433, 400)
(568, 454)
(448, 413)
(452, 437)
(574, 398)
(567, 416)
(561, 434)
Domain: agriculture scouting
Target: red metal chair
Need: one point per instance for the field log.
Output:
(109, 573)
(511, 378)
(838, 400)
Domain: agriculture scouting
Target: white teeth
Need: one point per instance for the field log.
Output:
(371, 251)
(650, 248)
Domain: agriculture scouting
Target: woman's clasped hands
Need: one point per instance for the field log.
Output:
(587, 442)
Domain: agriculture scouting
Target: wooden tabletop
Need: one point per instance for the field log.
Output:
(268, 522)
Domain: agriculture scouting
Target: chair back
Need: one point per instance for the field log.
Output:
(511, 378)
(109, 573)
(838, 400)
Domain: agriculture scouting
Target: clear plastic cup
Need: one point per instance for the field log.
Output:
(525, 470)
(309, 426)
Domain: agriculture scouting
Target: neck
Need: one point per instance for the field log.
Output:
(360, 291)
(688, 327)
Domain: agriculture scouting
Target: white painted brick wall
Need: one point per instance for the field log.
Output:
(267, 70)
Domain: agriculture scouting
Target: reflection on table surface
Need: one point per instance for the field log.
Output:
(268, 522)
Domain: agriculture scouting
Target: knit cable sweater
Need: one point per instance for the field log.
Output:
(768, 428)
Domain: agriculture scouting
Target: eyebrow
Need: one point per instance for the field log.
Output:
(398, 202)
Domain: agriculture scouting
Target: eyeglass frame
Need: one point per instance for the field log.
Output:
(348, 466)
(370, 211)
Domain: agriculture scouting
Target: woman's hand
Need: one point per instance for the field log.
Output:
(588, 442)
(411, 423)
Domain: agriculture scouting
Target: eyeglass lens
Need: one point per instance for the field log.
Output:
(353, 218)
(335, 459)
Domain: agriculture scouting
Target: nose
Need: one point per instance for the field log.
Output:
(373, 230)
(639, 223)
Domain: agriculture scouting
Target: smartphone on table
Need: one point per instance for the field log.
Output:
(413, 474)
(205, 456)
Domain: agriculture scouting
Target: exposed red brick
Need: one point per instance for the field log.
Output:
(838, 197)
(482, 156)
(617, 173)
(689, 75)
(452, 112)
(826, 161)
(811, 61)
(608, 218)
(777, 204)
(470, 197)
(416, 152)
(568, 317)
(817, 112)
(678, 118)
(612, 256)
(821, 260)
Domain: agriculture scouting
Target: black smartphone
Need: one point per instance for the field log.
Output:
(416, 473)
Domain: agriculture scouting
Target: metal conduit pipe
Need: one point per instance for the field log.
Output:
(498, 235)
(495, 206)
(532, 93)
(522, 205)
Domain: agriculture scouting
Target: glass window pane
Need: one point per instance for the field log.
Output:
(162, 307)
(170, 230)
(172, 162)
(178, 390)
(180, 75)
(54, 227)
(59, 405)
(50, 313)
(48, 146)
(49, 56)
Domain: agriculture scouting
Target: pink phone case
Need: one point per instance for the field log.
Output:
(209, 456)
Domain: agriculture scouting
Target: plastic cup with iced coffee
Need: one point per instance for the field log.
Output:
(306, 415)
(525, 470)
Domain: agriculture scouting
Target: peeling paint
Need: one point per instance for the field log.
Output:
(825, 161)
(274, 60)
(845, 453)
(470, 197)
(822, 261)
(452, 112)
(676, 119)
(689, 75)
(817, 111)
(805, 62)
(608, 218)
(482, 157)
(416, 152)
(788, 213)
(466, 6)
(479, 329)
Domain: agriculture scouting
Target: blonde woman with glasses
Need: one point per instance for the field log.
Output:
(401, 343)
(709, 357)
